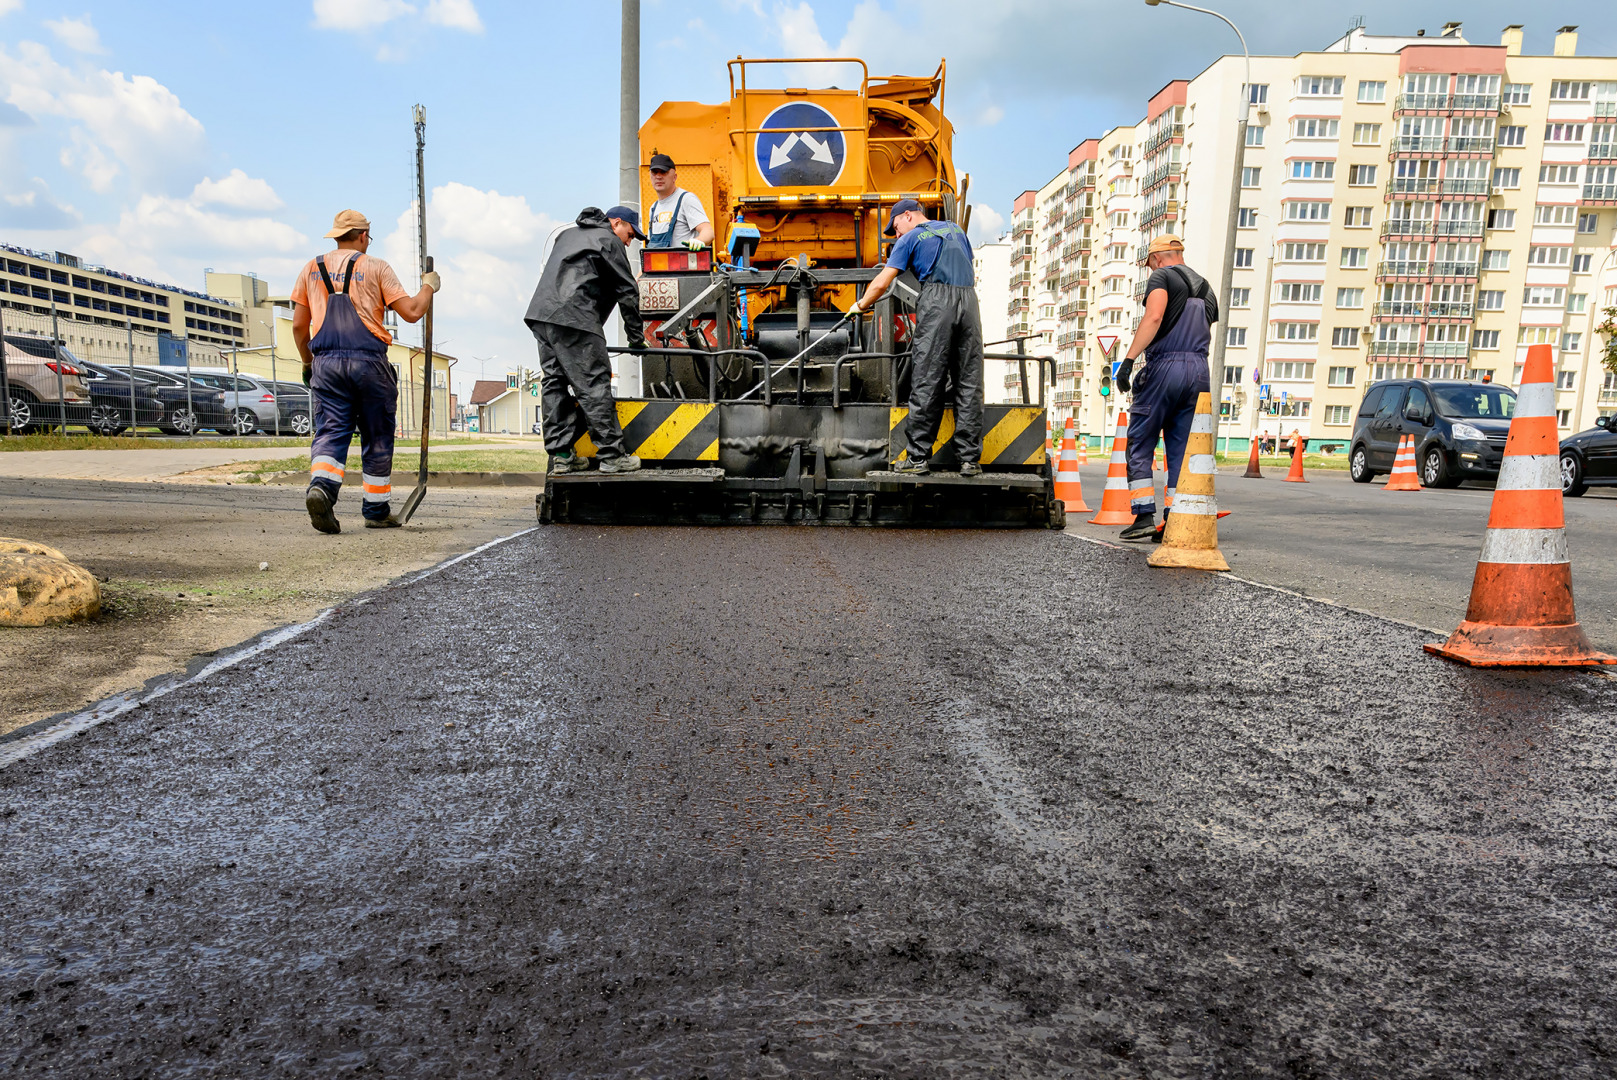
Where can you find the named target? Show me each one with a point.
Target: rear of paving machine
(759, 403)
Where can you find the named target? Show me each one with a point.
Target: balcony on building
(1020, 278)
(1471, 144)
(1398, 309)
(1480, 188)
(1459, 228)
(1438, 102)
(1018, 307)
(1071, 308)
(1166, 135)
(1408, 227)
(1454, 270)
(1067, 341)
(1403, 269)
(1446, 349)
(1452, 309)
(1414, 185)
(1395, 348)
(1417, 146)
(1600, 194)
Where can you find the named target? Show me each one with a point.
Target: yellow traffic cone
(1191, 537)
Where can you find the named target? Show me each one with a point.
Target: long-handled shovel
(415, 497)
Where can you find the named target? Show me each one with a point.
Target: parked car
(226, 421)
(182, 414)
(297, 408)
(110, 408)
(251, 404)
(45, 384)
(1589, 458)
(1459, 429)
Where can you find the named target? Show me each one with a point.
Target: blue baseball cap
(628, 217)
(902, 206)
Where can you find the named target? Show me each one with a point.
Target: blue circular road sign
(790, 153)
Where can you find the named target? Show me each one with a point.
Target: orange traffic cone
(1083, 449)
(1114, 500)
(1521, 612)
(1069, 488)
(1252, 470)
(1295, 476)
(1190, 539)
(1404, 476)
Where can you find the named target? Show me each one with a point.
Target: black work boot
(912, 467)
(970, 468)
(1144, 528)
(320, 502)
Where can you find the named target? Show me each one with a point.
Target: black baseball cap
(629, 217)
(661, 163)
(902, 206)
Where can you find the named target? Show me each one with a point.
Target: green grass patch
(132, 442)
(407, 462)
(1283, 461)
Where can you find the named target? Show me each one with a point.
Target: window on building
(1338, 415)
(1232, 374)
(1322, 86)
(1254, 134)
(1491, 300)
(1496, 259)
(1554, 215)
(1235, 336)
(1315, 127)
(1562, 90)
(1240, 298)
(1507, 179)
(1588, 223)
(1485, 339)
(1361, 175)
(1577, 303)
(1291, 370)
(1543, 296)
(1298, 292)
(1548, 255)
(1257, 93)
(1339, 376)
(1344, 337)
(1350, 298)
(1358, 217)
(1294, 331)
(1372, 92)
(1366, 134)
(1563, 418)
(1501, 219)
(1243, 258)
(1513, 135)
(1580, 262)
(1246, 218)
(1563, 133)
(1517, 94)
(1355, 258)
(1313, 170)
(1558, 174)
(1295, 252)
(1310, 210)
(1536, 335)
(1571, 342)
(1250, 176)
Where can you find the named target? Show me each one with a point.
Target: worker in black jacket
(587, 274)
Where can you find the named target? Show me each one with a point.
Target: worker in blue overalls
(677, 218)
(948, 334)
(338, 304)
(1180, 310)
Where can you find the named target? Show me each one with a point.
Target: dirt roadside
(181, 578)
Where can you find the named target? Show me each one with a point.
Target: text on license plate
(659, 294)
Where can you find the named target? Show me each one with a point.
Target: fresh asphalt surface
(794, 802)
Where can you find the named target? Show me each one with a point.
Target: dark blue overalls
(665, 239)
(354, 386)
(1164, 402)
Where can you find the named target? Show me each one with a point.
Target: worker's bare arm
(878, 288)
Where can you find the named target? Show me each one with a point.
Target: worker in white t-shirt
(677, 218)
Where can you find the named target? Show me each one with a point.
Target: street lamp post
(1222, 339)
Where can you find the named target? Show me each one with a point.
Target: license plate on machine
(659, 294)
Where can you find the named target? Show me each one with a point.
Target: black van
(1459, 429)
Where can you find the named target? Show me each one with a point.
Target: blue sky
(165, 138)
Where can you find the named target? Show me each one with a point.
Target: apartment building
(83, 293)
(1408, 206)
(991, 268)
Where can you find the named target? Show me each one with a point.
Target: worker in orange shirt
(338, 303)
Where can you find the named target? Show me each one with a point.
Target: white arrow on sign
(782, 151)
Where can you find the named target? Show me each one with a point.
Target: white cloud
(455, 14)
(85, 156)
(186, 226)
(134, 120)
(77, 34)
(36, 208)
(237, 191)
(800, 30)
(483, 219)
(358, 14)
(990, 116)
(986, 223)
(8, 6)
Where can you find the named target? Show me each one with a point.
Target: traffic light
(1105, 385)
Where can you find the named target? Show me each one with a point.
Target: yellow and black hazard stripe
(665, 431)
(1012, 434)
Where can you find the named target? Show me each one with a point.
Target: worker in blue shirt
(948, 334)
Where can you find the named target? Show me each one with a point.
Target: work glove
(1123, 372)
(432, 281)
(855, 310)
(693, 244)
(307, 371)
(638, 345)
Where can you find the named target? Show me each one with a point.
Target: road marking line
(28, 745)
